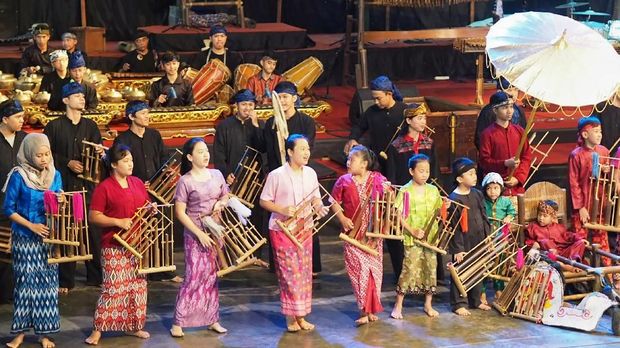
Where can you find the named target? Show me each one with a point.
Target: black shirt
(8, 160)
(231, 59)
(182, 88)
(231, 138)
(90, 94)
(53, 84)
(32, 56)
(610, 124)
(66, 142)
(299, 123)
(478, 224)
(148, 151)
(148, 63)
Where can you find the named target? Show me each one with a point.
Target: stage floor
(250, 310)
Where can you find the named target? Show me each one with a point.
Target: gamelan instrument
(243, 72)
(447, 222)
(385, 219)
(308, 219)
(224, 95)
(210, 79)
(483, 260)
(572, 4)
(304, 74)
(238, 243)
(280, 125)
(5, 244)
(248, 182)
(602, 199)
(150, 238)
(163, 184)
(357, 235)
(65, 213)
(91, 161)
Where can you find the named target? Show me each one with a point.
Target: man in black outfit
(171, 90)
(54, 81)
(77, 69)
(11, 137)
(36, 57)
(140, 60)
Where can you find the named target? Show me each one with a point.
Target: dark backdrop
(121, 17)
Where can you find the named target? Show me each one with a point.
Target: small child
(465, 238)
(547, 234)
(419, 274)
(500, 210)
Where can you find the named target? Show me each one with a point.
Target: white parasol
(554, 58)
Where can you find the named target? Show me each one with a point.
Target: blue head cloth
(462, 165)
(218, 29)
(383, 83)
(135, 106)
(500, 98)
(71, 88)
(502, 83)
(286, 87)
(10, 107)
(244, 95)
(585, 121)
(76, 60)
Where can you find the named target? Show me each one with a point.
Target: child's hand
(605, 168)
(584, 216)
(512, 163)
(508, 219)
(287, 211)
(459, 257)
(418, 233)
(536, 245)
(346, 223)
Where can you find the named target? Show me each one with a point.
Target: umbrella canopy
(554, 58)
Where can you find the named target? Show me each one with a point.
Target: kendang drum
(304, 74)
(224, 95)
(243, 72)
(210, 79)
(65, 214)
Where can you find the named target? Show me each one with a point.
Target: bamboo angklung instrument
(279, 123)
(446, 222)
(247, 184)
(602, 198)
(66, 218)
(538, 161)
(385, 217)
(5, 244)
(150, 238)
(91, 161)
(163, 184)
(482, 260)
(308, 219)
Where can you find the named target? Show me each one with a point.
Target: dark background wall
(121, 17)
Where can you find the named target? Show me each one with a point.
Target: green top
(421, 209)
(499, 209)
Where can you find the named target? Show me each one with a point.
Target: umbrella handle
(528, 128)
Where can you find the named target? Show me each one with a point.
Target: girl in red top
(122, 304)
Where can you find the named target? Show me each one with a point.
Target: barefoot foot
(293, 327)
(176, 331)
(218, 328)
(362, 320)
(17, 341)
(140, 334)
(484, 307)
(431, 312)
(93, 339)
(397, 313)
(46, 342)
(373, 317)
(462, 312)
(304, 324)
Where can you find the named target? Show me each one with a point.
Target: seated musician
(36, 57)
(486, 117)
(140, 60)
(171, 90)
(122, 304)
(266, 80)
(547, 234)
(70, 43)
(499, 145)
(77, 69)
(54, 81)
(218, 50)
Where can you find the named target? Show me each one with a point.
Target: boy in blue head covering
(66, 134)
(141, 59)
(77, 69)
(218, 37)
